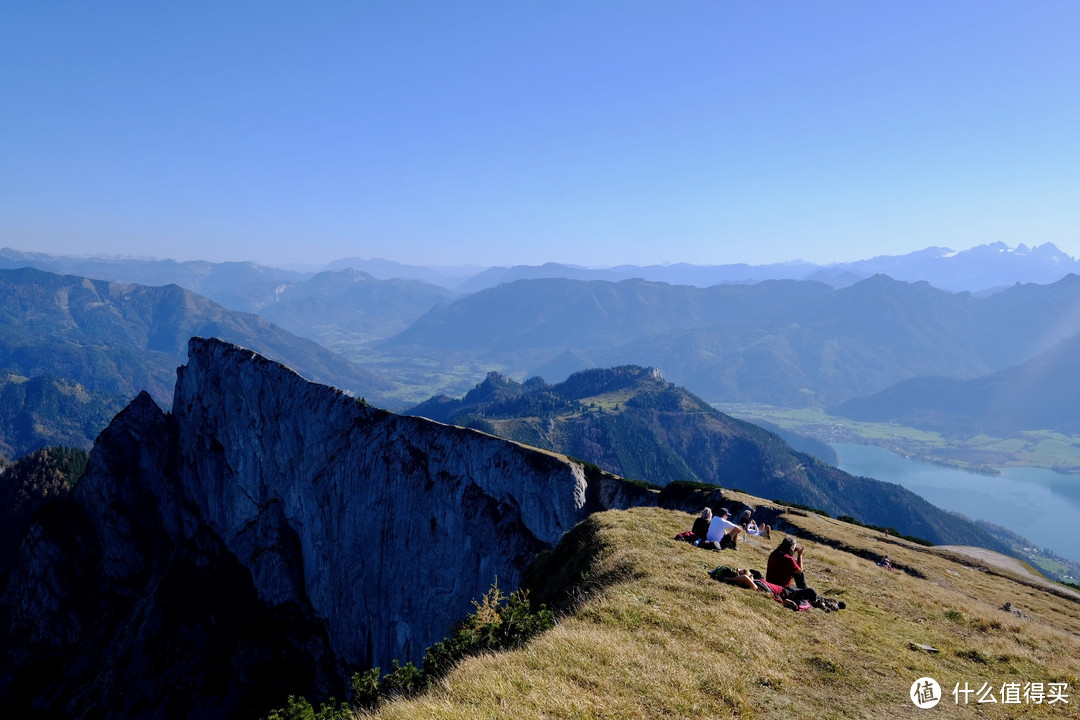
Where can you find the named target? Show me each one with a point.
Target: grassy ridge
(645, 633)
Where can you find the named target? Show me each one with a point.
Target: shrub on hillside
(499, 622)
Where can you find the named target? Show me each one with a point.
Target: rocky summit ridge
(268, 535)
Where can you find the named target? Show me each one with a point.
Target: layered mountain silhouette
(236, 285)
(269, 535)
(118, 339)
(776, 338)
(344, 308)
(1040, 394)
(977, 269)
(786, 343)
(631, 422)
(782, 342)
(247, 286)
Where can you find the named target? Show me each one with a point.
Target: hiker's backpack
(722, 572)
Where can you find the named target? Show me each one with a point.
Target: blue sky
(595, 133)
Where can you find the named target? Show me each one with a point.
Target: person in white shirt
(724, 531)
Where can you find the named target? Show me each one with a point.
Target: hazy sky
(587, 132)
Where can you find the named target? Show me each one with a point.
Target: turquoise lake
(1039, 504)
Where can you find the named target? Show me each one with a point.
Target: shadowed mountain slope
(631, 422)
(27, 484)
(549, 316)
(1040, 394)
(47, 410)
(119, 339)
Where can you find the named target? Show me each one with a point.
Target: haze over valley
(816, 361)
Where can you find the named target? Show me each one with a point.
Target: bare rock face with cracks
(267, 535)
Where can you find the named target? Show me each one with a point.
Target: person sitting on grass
(785, 567)
(701, 525)
(752, 528)
(722, 530)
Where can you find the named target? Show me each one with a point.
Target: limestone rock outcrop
(267, 536)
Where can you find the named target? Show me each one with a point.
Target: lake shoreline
(1037, 504)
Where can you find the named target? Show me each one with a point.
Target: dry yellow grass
(656, 637)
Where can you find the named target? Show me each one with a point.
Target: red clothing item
(774, 589)
(781, 568)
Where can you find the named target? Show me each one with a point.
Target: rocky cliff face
(268, 536)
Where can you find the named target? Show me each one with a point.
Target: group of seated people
(719, 532)
(784, 579)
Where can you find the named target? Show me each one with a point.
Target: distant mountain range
(631, 422)
(270, 535)
(449, 277)
(787, 343)
(791, 334)
(237, 285)
(346, 308)
(76, 349)
(341, 309)
(979, 269)
(244, 286)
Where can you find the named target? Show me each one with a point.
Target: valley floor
(974, 453)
